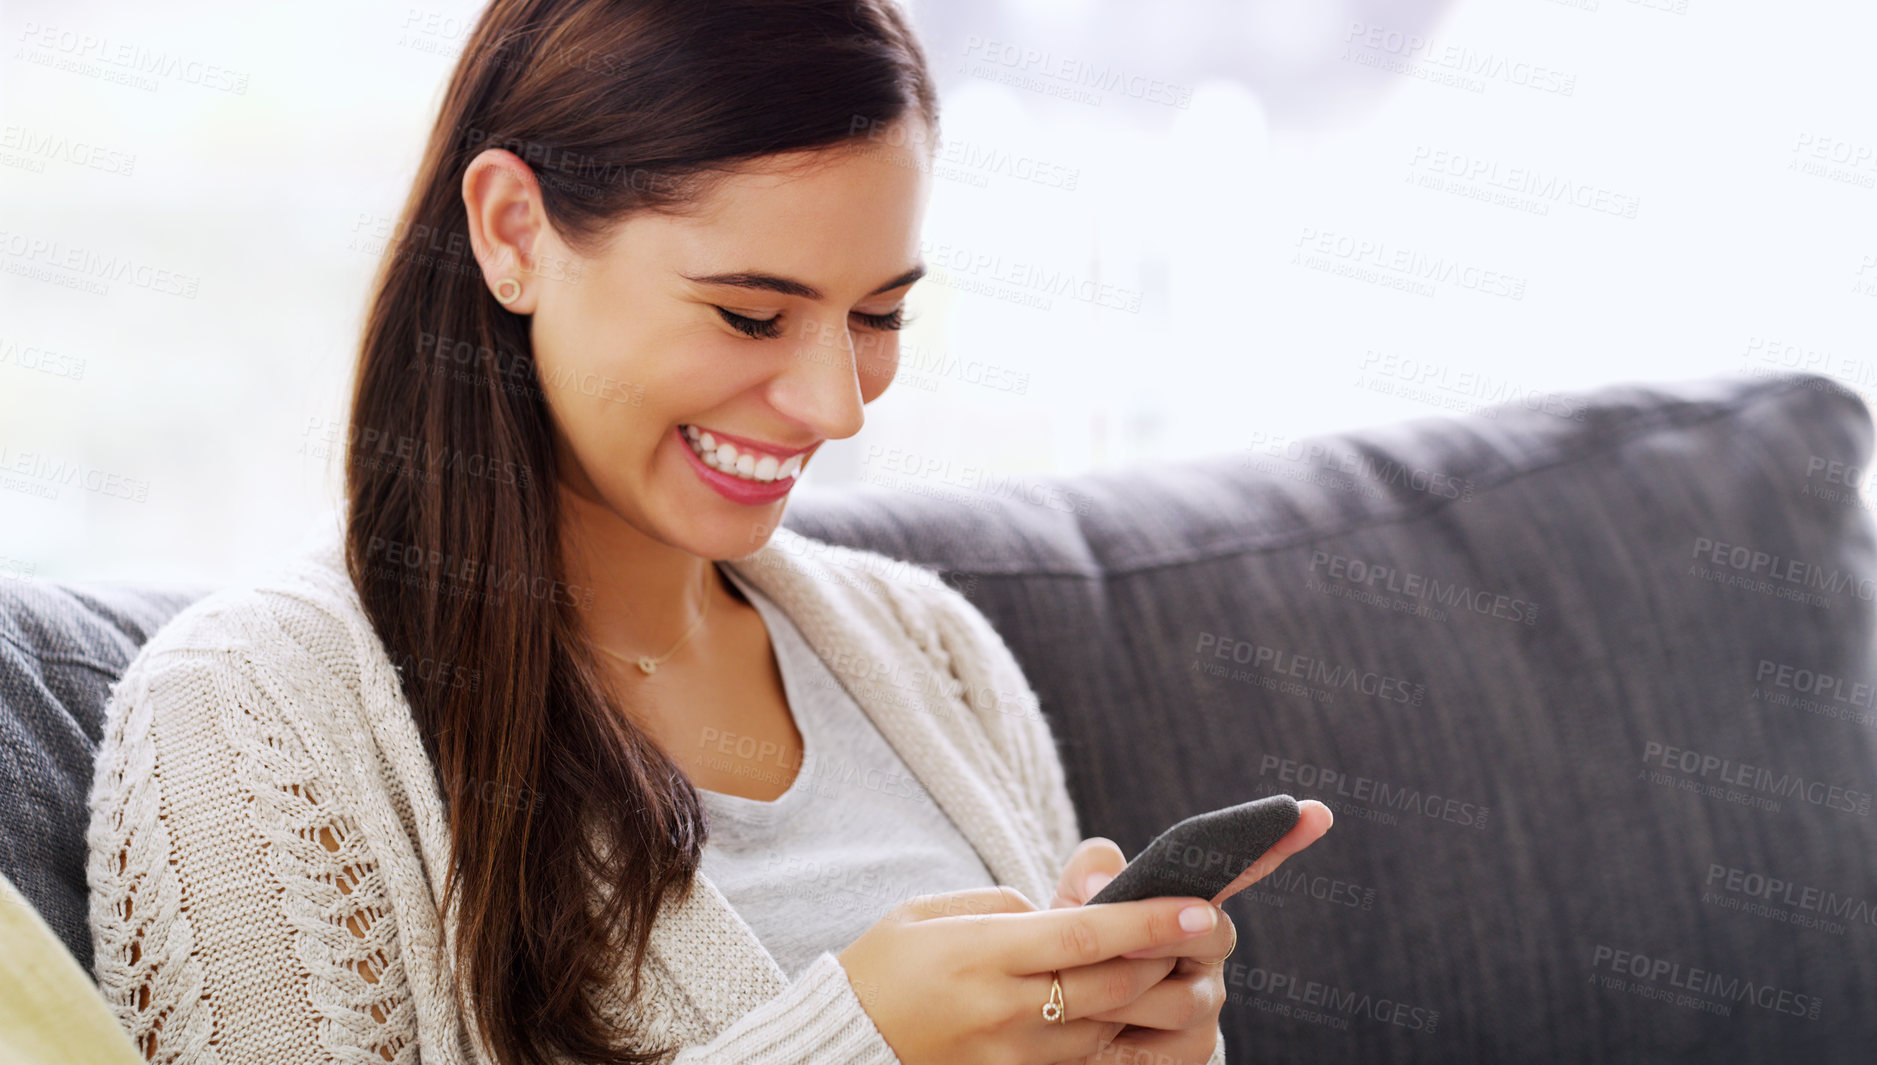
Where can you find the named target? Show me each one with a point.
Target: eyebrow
(789, 286)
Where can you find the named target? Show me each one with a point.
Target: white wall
(1298, 209)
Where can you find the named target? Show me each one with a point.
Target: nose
(819, 385)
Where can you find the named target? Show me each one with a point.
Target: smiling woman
(694, 227)
(759, 363)
(720, 252)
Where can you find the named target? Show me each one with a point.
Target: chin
(731, 536)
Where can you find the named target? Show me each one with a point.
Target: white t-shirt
(854, 835)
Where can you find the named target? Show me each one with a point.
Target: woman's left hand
(1177, 1020)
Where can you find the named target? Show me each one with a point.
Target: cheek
(580, 347)
(595, 388)
(613, 364)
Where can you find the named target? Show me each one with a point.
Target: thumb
(1094, 862)
(1001, 898)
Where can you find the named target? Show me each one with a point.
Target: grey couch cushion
(1205, 631)
(1492, 645)
(61, 647)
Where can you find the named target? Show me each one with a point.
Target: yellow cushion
(50, 1010)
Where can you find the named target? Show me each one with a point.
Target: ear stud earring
(507, 290)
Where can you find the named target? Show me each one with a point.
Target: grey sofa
(1588, 686)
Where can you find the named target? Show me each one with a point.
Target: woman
(441, 788)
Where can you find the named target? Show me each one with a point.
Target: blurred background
(1156, 232)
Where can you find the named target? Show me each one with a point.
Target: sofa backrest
(1586, 682)
(1588, 685)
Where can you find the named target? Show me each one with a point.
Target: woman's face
(646, 346)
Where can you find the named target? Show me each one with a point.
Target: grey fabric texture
(61, 648)
(1588, 687)
(1513, 874)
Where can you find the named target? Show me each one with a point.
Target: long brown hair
(569, 827)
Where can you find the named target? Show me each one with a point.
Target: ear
(507, 224)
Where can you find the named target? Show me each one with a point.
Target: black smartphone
(1205, 852)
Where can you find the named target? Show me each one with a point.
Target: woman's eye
(769, 328)
(896, 320)
(755, 327)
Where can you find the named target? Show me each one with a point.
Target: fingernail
(1094, 882)
(1198, 918)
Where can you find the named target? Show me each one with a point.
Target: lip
(755, 445)
(735, 489)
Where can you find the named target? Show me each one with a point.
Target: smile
(745, 463)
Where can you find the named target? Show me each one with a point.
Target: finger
(1176, 1002)
(1212, 946)
(1153, 1044)
(970, 902)
(1056, 939)
(1313, 820)
(1090, 990)
(1107, 985)
(1096, 854)
(1074, 1043)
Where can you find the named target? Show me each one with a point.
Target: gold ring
(1228, 950)
(1052, 1010)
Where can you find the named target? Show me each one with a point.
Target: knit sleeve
(237, 914)
(818, 1019)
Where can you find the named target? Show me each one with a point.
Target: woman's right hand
(963, 975)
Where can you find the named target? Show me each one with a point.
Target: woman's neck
(639, 597)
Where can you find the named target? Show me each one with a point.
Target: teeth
(724, 457)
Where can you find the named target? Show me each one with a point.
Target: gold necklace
(646, 663)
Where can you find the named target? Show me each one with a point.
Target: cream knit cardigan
(263, 721)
